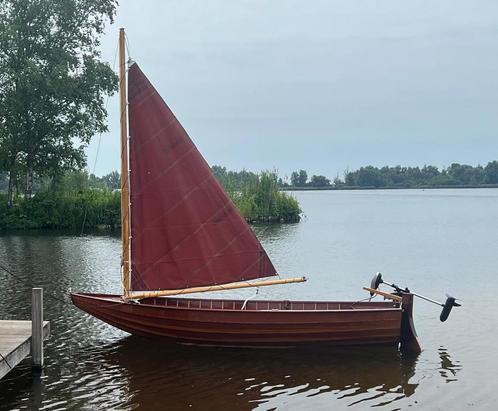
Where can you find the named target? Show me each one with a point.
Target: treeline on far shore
(370, 177)
(79, 201)
(456, 175)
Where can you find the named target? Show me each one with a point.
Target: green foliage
(4, 181)
(52, 83)
(338, 182)
(111, 181)
(67, 202)
(299, 178)
(64, 203)
(456, 175)
(74, 181)
(234, 180)
(56, 209)
(262, 201)
(491, 173)
(319, 181)
(257, 196)
(427, 176)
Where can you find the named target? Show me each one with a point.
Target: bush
(261, 201)
(75, 206)
(61, 210)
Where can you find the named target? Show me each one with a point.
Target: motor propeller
(447, 306)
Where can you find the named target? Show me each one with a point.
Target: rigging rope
(22, 281)
(98, 144)
(6, 362)
(364, 299)
(127, 44)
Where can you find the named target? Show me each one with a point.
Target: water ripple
(92, 366)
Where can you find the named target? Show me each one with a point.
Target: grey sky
(319, 85)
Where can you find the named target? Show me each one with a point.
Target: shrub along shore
(262, 201)
(89, 209)
(76, 205)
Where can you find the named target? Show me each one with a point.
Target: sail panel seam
(173, 207)
(166, 170)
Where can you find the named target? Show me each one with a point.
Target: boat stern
(410, 343)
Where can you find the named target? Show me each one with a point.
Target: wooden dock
(18, 339)
(15, 342)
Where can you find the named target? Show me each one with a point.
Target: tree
(491, 171)
(3, 181)
(350, 178)
(112, 180)
(370, 177)
(338, 182)
(74, 181)
(282, 182)
(319, 181)
(52, 84)
(299, 178)
(465, 174)
(95, 182)
(430, 171)
(220, 173)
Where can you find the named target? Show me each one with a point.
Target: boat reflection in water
(449, 368)
(213, 378)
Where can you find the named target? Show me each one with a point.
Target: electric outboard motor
(376, 281)
(447, 307)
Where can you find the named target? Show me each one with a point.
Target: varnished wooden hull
(259, 324)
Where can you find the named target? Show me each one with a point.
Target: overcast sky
(320, 85)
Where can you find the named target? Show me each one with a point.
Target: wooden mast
(125, 195)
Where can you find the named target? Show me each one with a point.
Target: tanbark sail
(185, 230)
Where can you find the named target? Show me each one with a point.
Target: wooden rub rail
(231, 286)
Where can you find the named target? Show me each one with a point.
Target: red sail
(185, 230)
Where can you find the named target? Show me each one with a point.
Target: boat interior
(267, 305)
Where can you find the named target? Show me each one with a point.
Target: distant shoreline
(351, 188)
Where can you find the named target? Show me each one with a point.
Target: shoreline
(351, 188)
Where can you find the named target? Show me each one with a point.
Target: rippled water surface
(434, 241)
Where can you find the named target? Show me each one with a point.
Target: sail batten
(185, 230)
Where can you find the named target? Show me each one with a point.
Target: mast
(125, 194)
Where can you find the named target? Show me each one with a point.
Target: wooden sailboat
(182, 234)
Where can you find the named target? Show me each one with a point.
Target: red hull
(259, 324)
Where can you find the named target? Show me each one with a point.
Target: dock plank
(15, 342)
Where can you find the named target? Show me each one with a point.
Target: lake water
(434, 241)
